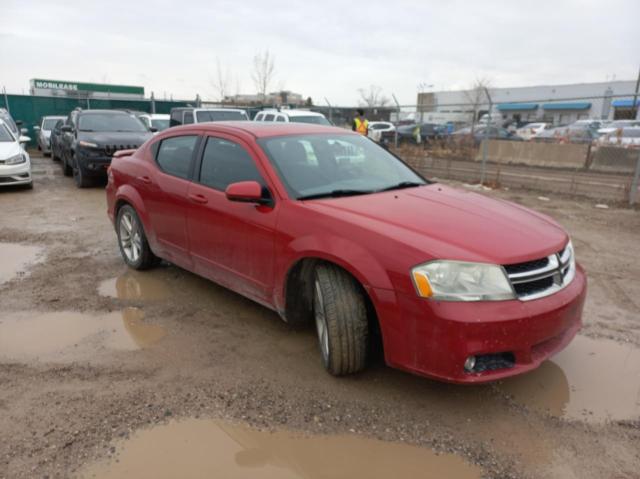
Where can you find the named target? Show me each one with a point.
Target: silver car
(43, 133)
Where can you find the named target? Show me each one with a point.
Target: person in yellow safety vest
(360, 123)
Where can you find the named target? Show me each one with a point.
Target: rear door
(231, 243)
(164, 191)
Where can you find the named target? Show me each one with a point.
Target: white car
(43, 132)
(377, 128)
(15, 164)
(622, 137)
(531, 130)
(159, 121)
(614, 125)
(292, 116)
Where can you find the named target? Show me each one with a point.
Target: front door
(232, 243)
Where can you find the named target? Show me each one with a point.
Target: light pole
(421, 89)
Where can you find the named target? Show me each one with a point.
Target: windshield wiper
(401, 185)
(335, 194)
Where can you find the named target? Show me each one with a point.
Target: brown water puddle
(16, 258)
(591, 380)
(134, 285)
(63, 335)
(197, 448)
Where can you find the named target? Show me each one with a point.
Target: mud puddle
(133, 285)
(197, 448)
(592, 380)
(61, 336)
(15, 259)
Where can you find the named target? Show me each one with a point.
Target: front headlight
(461, 281)
(16, 160)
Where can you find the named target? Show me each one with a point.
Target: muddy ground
(94, 357)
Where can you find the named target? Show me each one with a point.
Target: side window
(188, 117)
(174, 155)
(280, 118)
(176, 118)
(269, 117)
(225, 162)
(259, 117)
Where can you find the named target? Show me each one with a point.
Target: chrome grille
(542, 277)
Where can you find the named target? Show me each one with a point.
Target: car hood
(115, 138)
(438, 221)
(9, 149)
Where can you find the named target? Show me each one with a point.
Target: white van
(292, 116)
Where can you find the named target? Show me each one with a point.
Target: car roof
(103, 112)
(263, 129)
(219, 109)
(293, 112)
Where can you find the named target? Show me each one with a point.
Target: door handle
(145, 179)
(197, 198)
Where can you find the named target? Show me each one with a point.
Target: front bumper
(93, 164)
(434, 338)
(15, 174)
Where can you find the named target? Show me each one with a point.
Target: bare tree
(263, 72)
(222, 81)
(476, 96)
(372, 97)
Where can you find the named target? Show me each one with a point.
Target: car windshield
(110, 122)
(5, 134)
(313, 119)
(220, 115)
(160, 124)
(329, 165)
(49, 123)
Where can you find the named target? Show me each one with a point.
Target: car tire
(66, 169)
(132, 240)
(341, 321)
(79, 177)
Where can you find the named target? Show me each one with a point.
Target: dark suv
(91, 137)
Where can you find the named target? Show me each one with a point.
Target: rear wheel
(66, 169)
(341, 320)
(132, 240)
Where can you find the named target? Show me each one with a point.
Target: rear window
(175, 155)
(317, 120)
(49, 124)
(220, 115)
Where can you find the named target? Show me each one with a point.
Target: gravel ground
(201, 351)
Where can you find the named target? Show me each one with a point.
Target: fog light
(470, 363)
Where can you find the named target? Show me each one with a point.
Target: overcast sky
(322, 49)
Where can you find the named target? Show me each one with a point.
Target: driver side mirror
(23, 140)
(246, 192)
(153, 129)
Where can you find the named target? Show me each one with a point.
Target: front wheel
(80, 178)
(341, 321)
(132, 240)
(66, 169)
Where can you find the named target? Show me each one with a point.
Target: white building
(557, 104)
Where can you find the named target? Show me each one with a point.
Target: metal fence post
(633, 192)
(6, 99)
(153, 103)
(485, 143)
(397, 119)
(330, 110)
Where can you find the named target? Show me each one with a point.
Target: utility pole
(6, 99)
(485, 143)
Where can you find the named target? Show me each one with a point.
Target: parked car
(15, 164)
(428, 132)
(188, 115)
(55, 140)
(617, 124)
(325, 226)
(292, 116)
(531, 130)
(622, 137)
(581, 134)
(381, 129)
(91, 137)
(43, 133)
(465, 135)
(10, 123)
(155, 122)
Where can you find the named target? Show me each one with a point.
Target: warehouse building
(556, 104)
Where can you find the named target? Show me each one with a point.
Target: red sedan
(324, 226)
